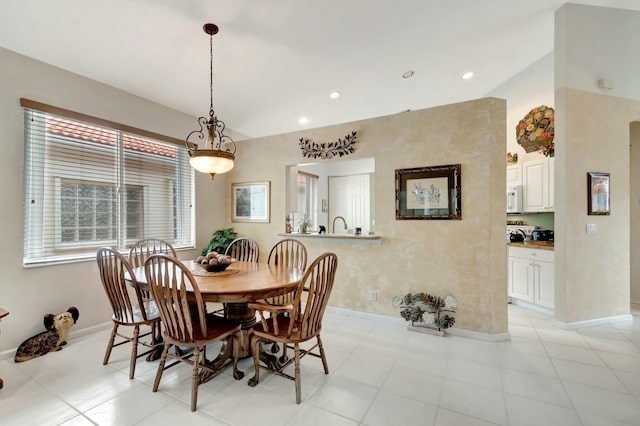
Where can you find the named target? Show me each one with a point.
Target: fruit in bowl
(214, 261)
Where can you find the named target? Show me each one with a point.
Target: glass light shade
(212, 161)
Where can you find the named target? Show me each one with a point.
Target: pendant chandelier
(218, 153)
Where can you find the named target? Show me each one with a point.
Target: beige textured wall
(635, 210)
(592, 270)
(466, 258)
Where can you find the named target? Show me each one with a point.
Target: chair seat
(153, 314)
(283, 328)
(218, 328)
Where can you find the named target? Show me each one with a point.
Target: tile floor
(381, 374)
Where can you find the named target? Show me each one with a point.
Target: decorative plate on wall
(535, 131)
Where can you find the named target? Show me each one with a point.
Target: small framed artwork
(598, 193)
(429, 193)
(250, 201)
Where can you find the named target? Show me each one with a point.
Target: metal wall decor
(326, 151)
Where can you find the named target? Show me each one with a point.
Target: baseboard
(498, 337)
(366, 315)
(532, 306)
(488, 337)
(593, 322)
(635, 301)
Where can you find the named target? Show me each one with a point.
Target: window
(90, 185)
(307, 199)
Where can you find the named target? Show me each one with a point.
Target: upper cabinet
(514, 174)
(538, 181)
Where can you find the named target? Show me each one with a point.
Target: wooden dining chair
(303, 322)
(142, 249)
(186, 324)
(130, 308)
(292, 253)
(244, 250)
(138, 253)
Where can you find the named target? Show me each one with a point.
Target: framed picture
(250, 201)
(429, 193)
(598, 193)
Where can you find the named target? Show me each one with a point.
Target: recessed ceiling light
(467, 75)
(334, 95)
(408, 74)
(303, 120)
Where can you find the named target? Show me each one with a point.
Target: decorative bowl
(220, 262)
(216, 268)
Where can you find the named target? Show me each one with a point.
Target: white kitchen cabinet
(514, 174)
(531, 276)
(537, 180)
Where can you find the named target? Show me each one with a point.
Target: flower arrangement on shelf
(425, 310)
(535, 132)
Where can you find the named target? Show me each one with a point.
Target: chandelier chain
(211, 73)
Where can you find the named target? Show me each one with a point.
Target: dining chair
(130, 307)
(142, 249)
(244, 250)
(303, 322)
(138, 253)
(186, 323)
(292, 253)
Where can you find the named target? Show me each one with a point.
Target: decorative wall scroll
(429, 193)
(328, 150)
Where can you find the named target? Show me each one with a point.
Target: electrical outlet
(592, 228)
(373, 296)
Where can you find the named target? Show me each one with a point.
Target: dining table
(235, 287)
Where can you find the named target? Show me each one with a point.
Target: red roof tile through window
(103, 136)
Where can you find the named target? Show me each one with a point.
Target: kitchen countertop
(541, 245)
(317, 236)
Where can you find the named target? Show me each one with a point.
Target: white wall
(532, 87)
(29, 294)
(593, 126)
(635, 211)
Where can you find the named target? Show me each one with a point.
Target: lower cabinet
(531, 275)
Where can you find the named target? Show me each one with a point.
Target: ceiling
(278, 60)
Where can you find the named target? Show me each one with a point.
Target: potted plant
(220, 240)
(304, 227)
(426, 313)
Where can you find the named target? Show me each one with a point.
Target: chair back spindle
(288, 252)
(318, 281)
(142, 249)
(244, 250)
(170, 281)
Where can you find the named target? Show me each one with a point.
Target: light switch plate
(592, 228)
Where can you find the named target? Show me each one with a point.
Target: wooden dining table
(237, 286)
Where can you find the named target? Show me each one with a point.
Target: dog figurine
(51, 340)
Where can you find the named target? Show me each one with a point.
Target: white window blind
(87, 186)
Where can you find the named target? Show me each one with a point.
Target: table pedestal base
(247, 318)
